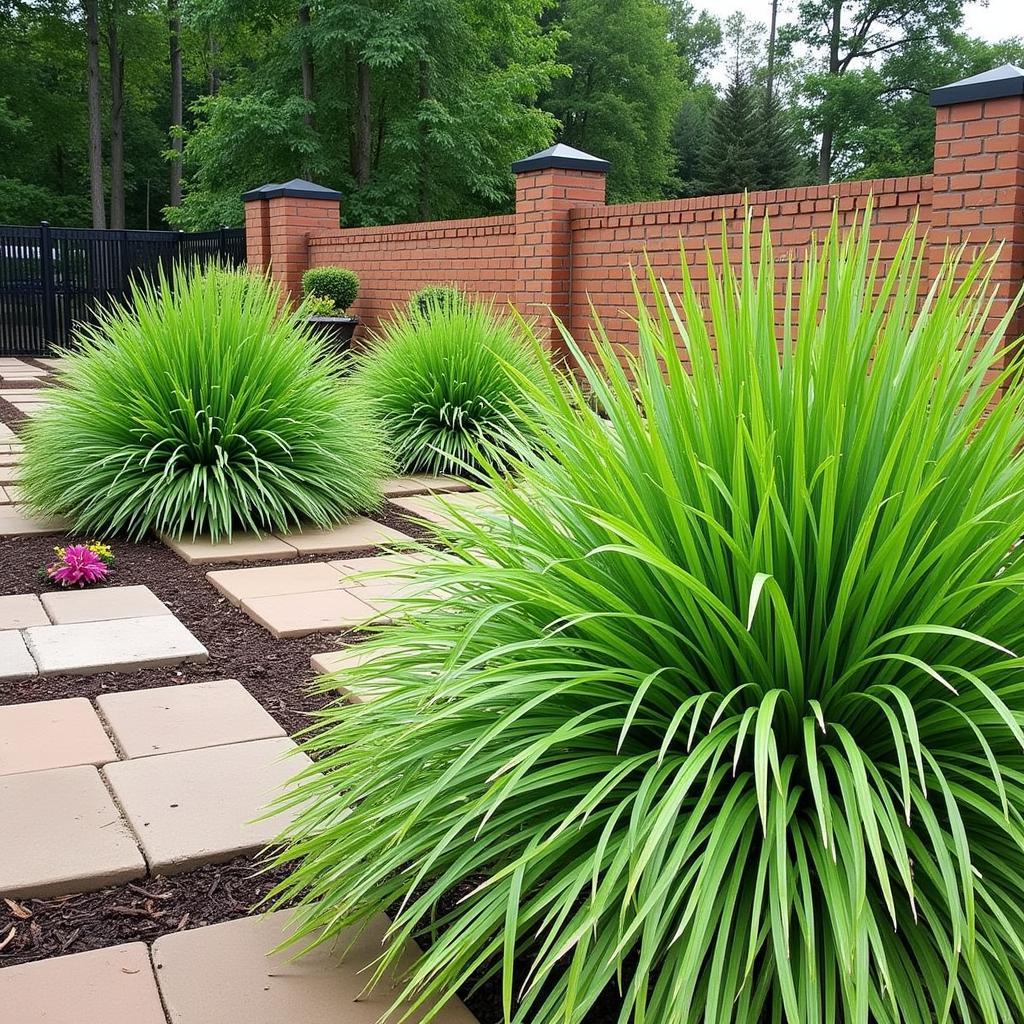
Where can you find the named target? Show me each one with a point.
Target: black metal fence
(54, 278)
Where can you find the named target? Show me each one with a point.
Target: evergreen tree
(729, 157)
(777, 157)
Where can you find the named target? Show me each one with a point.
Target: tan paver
(320, 611)
(113, 645)
(187, 717)
(20, 610)
(357, 535)
(15, 660)
(51, 734)
(9, 474)
(16, 522)
(242, 547)
(61, 834)
(53, 364)
(350, 658)
(6, 434)
(423, 483)
(239, 585)
(200, 806)
(206, 974)
(436, 508)
(103, 603)
(103, 986)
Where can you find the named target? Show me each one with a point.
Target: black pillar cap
(296, 188)
(560, 155)
(1007, 80)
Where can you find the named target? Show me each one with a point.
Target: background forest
(148, 113)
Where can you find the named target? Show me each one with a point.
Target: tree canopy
(163, 112)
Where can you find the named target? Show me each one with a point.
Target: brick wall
(564, 249)
(394, 261)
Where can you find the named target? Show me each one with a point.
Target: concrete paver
(186, 717)
(437, 508)
(51, 734)
(423, 483)
(15, 660)
(20, 610)
(114, 645)
(200, 807)
(102, 986)
(238, 585)
(292, 615)
(61, 834)
(206, 974)
(242, 547)
(103, 603)
(16, 522)
(357, 535)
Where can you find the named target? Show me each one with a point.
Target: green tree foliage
(412, 109)
(729, 158)
(624, 94)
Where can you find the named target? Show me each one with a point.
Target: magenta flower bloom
(79, 567)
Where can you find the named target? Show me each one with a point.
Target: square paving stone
(437, 508)
(15, 522)
(423, 483)
(20, 610)
(9, 474)
(103, 986)
(51, 734)
(357, 535)
(103, 603)
(322, 611)
(349, 658)
(61, 834)
(207, 974)
(15, 660)
(113, 645)
(201, 806)
(186, 717)
(243, 547)
(239, 585)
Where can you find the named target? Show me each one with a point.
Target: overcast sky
(995, 20)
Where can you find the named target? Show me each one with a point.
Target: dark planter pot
(337, 331)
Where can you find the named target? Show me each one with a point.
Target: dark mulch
(137, 912)
(274, 671)
(9, 414)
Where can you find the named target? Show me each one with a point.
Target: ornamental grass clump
(726, 716)
(448, 382)
(200, 408)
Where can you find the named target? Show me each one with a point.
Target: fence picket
(52, 279)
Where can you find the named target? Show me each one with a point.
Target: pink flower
(79, 567)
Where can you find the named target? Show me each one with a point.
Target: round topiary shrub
(435, 296)
(448, 386)
(337, 284)
(723, 725)
(200, 408)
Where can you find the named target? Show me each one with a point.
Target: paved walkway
(158, 781)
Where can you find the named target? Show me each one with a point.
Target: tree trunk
(115, 56)
(771, 50)
(92, 35)
(306, 57)
(827, 136)
(363, 144)
(177, 113)
(424, 77)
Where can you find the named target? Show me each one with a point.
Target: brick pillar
(979, 175)
(278, 221)
(549, 185)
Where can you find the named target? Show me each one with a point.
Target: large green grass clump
(200, 408)
(728, 713)
(447, 379)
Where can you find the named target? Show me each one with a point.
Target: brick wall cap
(565, 157)
(297, 188)
(1007, 80)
